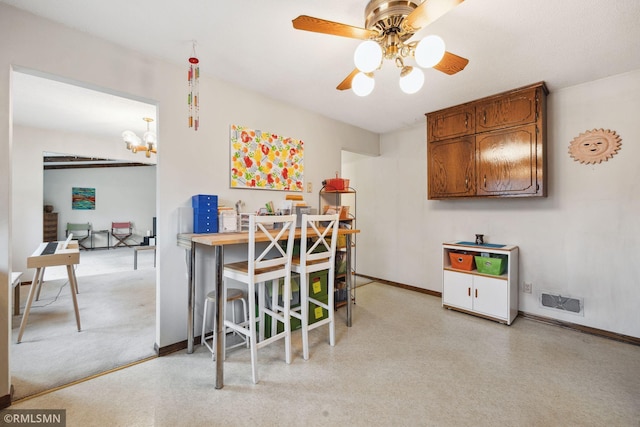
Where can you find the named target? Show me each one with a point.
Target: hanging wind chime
(193, 99)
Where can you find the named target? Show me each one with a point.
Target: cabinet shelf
(475, 272)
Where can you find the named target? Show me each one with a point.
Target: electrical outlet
(527, 287)
(309, 187)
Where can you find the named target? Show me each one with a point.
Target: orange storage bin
(461, 261)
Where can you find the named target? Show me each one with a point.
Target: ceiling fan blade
(346, 83)
(429, 11)
(451, 63)
(309, 23)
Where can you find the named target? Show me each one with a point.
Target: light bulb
(149, 137)
(131, 138)
(368, 56)
(429, 51)
(411, 80)
(362, 85)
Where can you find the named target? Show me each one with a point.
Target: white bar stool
(233, 295)
(267, 261)
(317, 253)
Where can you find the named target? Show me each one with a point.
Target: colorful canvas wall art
(83, 198)
(265, 160)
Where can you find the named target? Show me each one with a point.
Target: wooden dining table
(190, 242)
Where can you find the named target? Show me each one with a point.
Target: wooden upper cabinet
(514, 109)
(506, 162)
(491, 147)
(451, 123)
(451, 168)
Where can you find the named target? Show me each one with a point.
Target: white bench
(15, 284)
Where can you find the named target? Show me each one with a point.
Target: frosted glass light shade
(362, 85)
(412, 81)
(429, 51)
(149, 137)
(131, 138)
(368, 56)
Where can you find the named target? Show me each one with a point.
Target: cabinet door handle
(485, 181)
(476, 293)
(466, 183)
(469, 291)
(466, 120)
(484, 117)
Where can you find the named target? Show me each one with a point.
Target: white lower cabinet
(491, 296)
(481, 294)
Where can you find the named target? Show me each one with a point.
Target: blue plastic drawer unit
(205, 213)
(204, 201)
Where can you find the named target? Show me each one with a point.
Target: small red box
(336, 184)
(461, 261)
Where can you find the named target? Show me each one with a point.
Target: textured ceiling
(251, 43)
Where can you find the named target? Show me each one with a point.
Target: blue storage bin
(204, 201)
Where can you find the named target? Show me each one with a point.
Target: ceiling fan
(389, 26)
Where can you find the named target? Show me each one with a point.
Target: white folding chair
(273, 264)
(317, 253)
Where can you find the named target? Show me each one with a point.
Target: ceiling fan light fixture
(429, 51)
(362, 84)
(411, 79)
(368, 56)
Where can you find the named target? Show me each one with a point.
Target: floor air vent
(564, 303)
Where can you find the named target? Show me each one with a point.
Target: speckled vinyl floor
(405, 362)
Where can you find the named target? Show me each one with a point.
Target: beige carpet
(117, 314)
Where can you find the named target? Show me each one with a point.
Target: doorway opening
(117, 304)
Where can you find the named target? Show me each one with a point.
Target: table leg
(135, 258)
(25, 316)
(348, 278)
(39, 287)
(219, 316)
(16, 300)
(191, 268)
(73, 285)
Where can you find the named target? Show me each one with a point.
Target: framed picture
(83, 198)
(265, 160)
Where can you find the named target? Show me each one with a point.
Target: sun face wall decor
(594, 146)
(265, 160)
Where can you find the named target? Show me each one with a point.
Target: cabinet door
(510, 110)
(456, 289)
(450, 168)
(506, 162)
(490, 296)
(450, 123)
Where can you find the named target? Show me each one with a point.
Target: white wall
(188, 162)
(582, 240)
(125, 194)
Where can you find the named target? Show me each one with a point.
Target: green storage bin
(318, 284)
(317, 313)
(491, 265)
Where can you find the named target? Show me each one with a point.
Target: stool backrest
(318, 240)
(271, 229)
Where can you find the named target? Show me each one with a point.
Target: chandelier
(146, 144)
(392, 44)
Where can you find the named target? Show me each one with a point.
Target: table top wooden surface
(222, 239)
